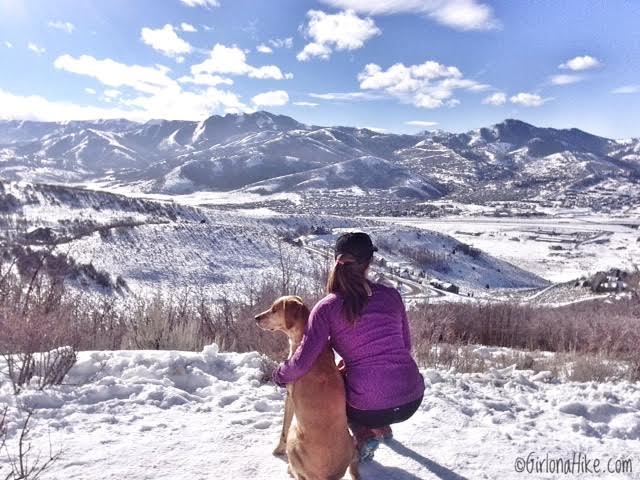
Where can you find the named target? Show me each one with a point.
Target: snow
(196, 198)
(197, 415)
(589, 243)
(176, 183)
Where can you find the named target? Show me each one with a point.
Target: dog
(315, 435)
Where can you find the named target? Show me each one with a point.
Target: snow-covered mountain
(265, 153)
(362, 172)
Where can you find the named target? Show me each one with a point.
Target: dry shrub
(426, 258)
(42, 324)
(24, 463)
(194, 320)
(584, 368)
(39, 332)
(602, 330)
(3, 426)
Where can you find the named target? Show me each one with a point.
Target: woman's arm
(314, 341)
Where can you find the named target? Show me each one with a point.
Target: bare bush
(598, 368)
(194, 321)
(3, 427)
(604, 330)
(39, 332)
(426, 258)
(473, 252)
(24, 464)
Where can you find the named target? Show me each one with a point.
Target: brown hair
(347, 278)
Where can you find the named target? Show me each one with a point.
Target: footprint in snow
(263, 406)
(262, 424)
(227, 400)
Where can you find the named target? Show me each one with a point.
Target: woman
(366, 324)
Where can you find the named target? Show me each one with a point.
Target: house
(445, 286)
(611, 281)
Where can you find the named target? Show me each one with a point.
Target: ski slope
(206, 415)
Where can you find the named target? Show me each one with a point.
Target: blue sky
(394, 65)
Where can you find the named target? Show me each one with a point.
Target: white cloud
(35, 107)
(479, 87)
(262, 48)
(233, 61)
(627, 89)
(206, 79)
(305, 104)
(64, 26)
(201, 3)
(377, 129)
(90, 91)
(565, 79)
(421, 123)
(165, 40)
(274, 98)
(458, 14)
(342, 31)
(528, 99)
(182, 105)
(497, 99)
(268, 71)
(314, 50)
(35, 48)
(281, 42)
(427, 85)
(115, 74)
(346, 96)
(8, 44)
(155, 94)
(581, 63)
(187, 27)
(112, 93)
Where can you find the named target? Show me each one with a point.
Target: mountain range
(263, 153)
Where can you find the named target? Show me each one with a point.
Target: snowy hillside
(365, 173)
(560, 249)
(511, 161)
(182, 415)
(163, 246)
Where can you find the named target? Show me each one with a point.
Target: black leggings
(382, 418)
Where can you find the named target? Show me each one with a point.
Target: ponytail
(347, 278)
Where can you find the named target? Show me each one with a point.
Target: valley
(497, 213)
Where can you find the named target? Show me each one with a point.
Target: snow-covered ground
(559, 248)
(182, 415)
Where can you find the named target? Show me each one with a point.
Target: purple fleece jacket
(380, 372)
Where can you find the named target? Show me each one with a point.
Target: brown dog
(317, 441)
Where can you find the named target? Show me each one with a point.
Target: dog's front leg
(286, 423)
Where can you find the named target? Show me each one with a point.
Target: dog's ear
(293, 307)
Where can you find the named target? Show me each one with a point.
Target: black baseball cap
(357, 244)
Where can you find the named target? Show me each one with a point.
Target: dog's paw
(280, 450)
